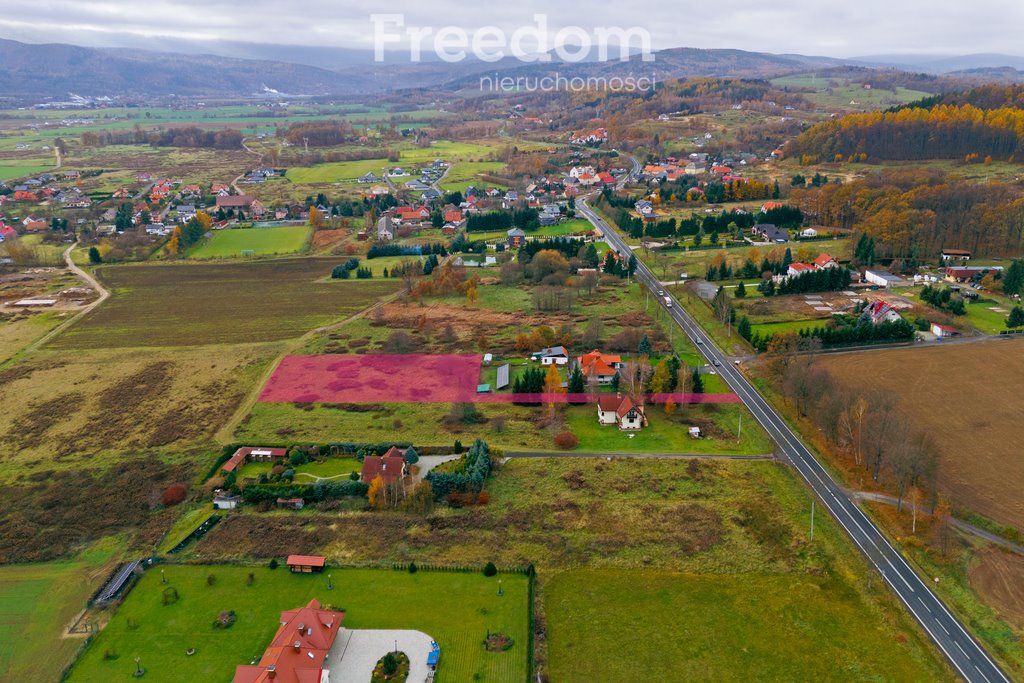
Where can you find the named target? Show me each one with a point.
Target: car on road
(701, 342)
(661, 292)
(668, 302)
(717, 364)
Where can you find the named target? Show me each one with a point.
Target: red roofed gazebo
(306, 564)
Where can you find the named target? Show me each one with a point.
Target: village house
(879, 311)
(223, 500)
(808, 232)
(797, 269)
(645, 209)
(770, 233)
(825, 261)
(963, 274)
(554, 355)
(956, 255)
(253, 454)
(385, 229)
(599, 368)
(299, 649)
(943, 331)
(515, 238)
(390, 467)
(622, 411)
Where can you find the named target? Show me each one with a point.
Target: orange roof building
(599, 367)
(299, 649)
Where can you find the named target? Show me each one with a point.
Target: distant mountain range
(41, 72)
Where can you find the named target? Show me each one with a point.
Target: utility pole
(739, 431)
(812, 521)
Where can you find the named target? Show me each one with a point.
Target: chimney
(271, 671)
(298, 645)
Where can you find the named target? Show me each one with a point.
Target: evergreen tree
(576, 381)
(744, 328)
(696, 382)
(741, 290)
(94, 255)
(1013, 280)
(1016, 318)
(644, 349)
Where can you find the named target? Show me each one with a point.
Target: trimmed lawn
(668, 434)
(260, 241)
(331, 467)
(791, 326)
(721, 628)
(455, 609)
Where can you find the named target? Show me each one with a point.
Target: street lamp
(138, 668)
(163, 579)
(500, 592)
(330, 586)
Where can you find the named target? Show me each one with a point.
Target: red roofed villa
(299, 650)
(598, 367)
(390, 467)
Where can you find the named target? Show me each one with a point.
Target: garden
(161, 623)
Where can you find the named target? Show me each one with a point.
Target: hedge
(321, 490)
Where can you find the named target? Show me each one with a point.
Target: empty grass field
(457, 610)
(37, 602)
(976, 426)
(191, 304)
(257, 241)
(722, 628)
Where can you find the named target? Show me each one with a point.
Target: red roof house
(599, 367)
(253, 454)
(299, 650)
(825, 261)
(390, 467)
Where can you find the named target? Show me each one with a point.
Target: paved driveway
(355, 652)
(429, 462)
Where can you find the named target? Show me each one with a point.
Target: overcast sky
(815, 27)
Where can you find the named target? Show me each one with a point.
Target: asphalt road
(959, 647)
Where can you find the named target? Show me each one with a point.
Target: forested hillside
(913, 214)
(941, 132)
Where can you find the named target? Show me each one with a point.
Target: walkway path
(963, 526)
(89, 280)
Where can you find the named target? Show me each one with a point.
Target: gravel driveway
(355, 652)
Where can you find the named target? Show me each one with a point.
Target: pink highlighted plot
(400, 378)
(411, 378)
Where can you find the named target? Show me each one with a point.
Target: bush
(273, 563)
(567, 441)
(173, 494)
(490, 569)
(412, 567)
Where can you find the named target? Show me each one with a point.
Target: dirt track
(968, 397)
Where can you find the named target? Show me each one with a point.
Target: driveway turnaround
(355, 652)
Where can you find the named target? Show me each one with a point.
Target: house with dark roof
(553, 355)
(516, 238)
(770, 233)
(622, 411)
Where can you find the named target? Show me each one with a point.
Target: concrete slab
(429, 462)
(355, 652)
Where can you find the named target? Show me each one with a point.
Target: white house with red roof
(797, 269)
(599, 368)
(825, 261)
(879, 311)
(622, 411)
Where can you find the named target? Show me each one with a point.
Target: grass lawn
(331, 467)
(185, 525)
(17, 333)
(12, 170)
(720, 628)
(259, 241)
(668, 434)
(37, 601)
(791, 326)
(457, 610)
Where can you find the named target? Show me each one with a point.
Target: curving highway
(965, 654)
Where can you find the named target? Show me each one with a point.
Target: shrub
(567, 441)
(490, 569)
(273, 563)
(211, 579)
(173, 494)
(277, 470)
(225, 619)
(412, 567)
